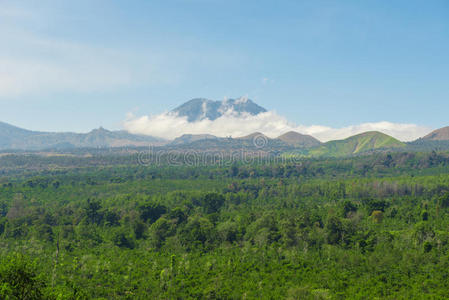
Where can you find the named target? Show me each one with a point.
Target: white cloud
(43, 65)
(169, 125)
(403, 132)
(18, 77)
(35, 63)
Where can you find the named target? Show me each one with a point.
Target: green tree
(212, 202)
(92, 209)
(152, 211)
(19, 279)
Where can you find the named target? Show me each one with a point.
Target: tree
(112, 218)
(19, 279)
(198, 230)
(139, 229)
(425, 215)
(212, 202)
(151, 211)
(373, 205)
(92, 208)
(334, 229)
(123, 240)
(377, 216)
(228, 231)
(160, 230)
(348, 207)
(18, 208)
(444, 200)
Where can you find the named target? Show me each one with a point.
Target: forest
(107, 227)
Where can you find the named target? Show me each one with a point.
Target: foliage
(358, 228)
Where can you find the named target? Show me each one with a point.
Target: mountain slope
(441, 134)
(190, 138)
(15, 138)
(253, 136)
(9, 132)
(365, 142)
(252, 142)
(296, 139)
(200, 109)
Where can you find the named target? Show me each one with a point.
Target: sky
(339, 65)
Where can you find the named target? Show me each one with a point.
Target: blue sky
(78, 65)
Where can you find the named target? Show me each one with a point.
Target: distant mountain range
(255, 140)
(12, 137)
(15, 138)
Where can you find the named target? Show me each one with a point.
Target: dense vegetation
(363, 227)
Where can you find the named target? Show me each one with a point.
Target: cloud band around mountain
(169, 126)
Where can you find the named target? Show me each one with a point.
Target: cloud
(46, 49)
(169, 125)
(19, 76)
(35, 63)
(57, 66)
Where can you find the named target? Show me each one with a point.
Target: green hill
(296, 139)
(364, 142)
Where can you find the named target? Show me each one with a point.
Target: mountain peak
(100, 130)
(201, 109)
(297, 139)
(441, 134)
(253, 136)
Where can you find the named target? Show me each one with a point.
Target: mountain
(205, 142)
(253, 136)
(441, 134)
(296, 139)
(200, 109)
(255, 140)
(8, 133)
(190, 138)
(15, 138)
(365, 142)
(437, 140)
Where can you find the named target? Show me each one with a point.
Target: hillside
(357, 144)
(253, 136)
(441, 134)
(9, 133)
(205, 142)
(190, 138)
(296, 139)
